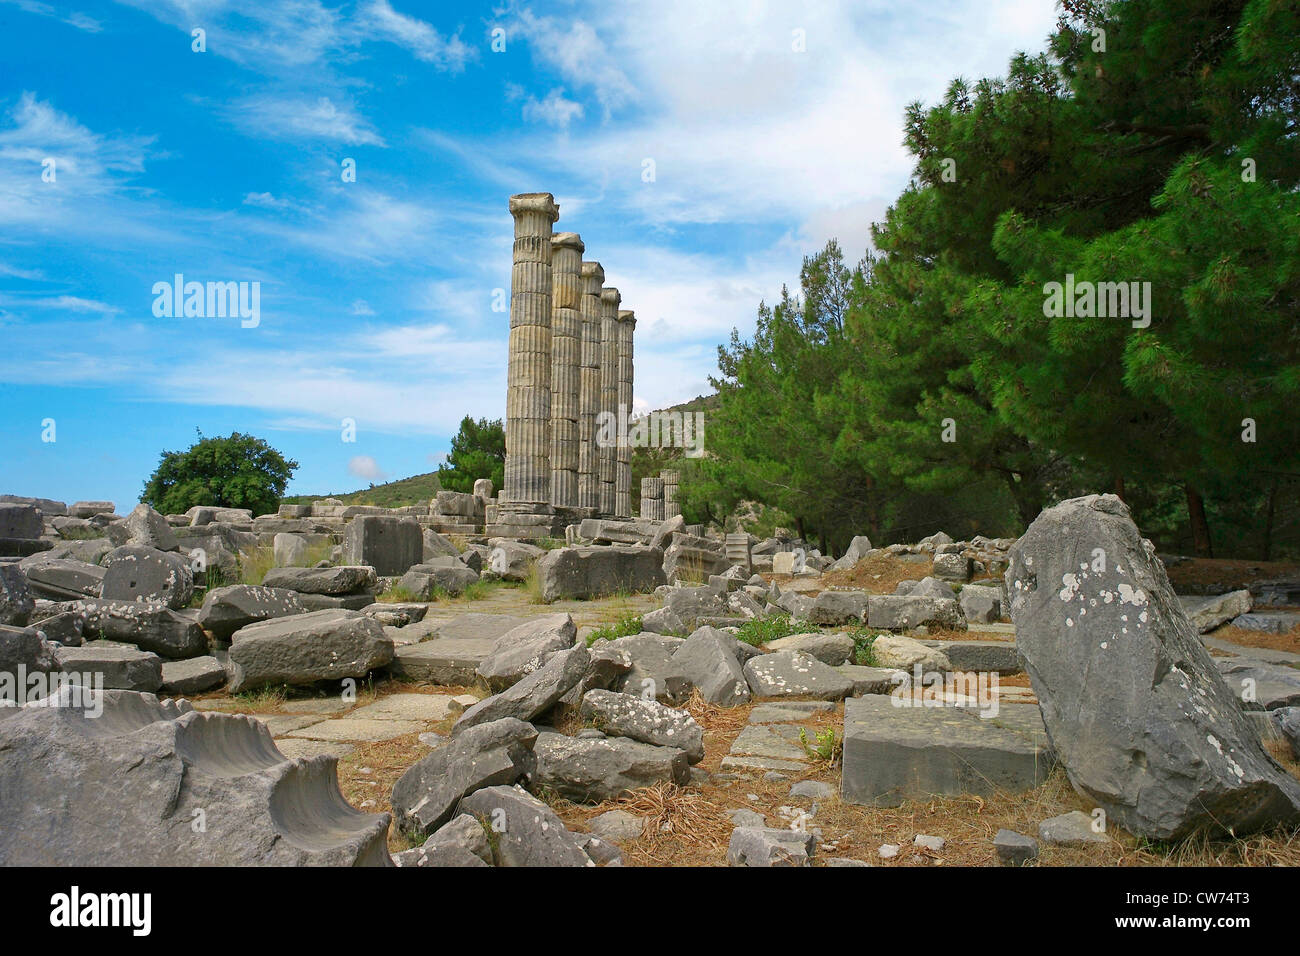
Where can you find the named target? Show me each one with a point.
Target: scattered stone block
(1014, 849)
(837, 608)
(896, 753)
(766, 848)
(589, 770)
(306, 648)
(193, 676)
(528, 831)
(795, 674)
(833, 648)
(638, 718)
(1070, 829)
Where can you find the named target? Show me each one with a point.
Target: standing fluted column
(623, 459)
(566, 360)
(652, 499)
(609, 300)
(593, 278)
(671, 479)
(528, 363)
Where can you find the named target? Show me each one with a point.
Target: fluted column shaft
(671, 479)
(609, 300)
(566, 362)
(528, 363)
(623, 457)
(589, 384)
(652, 498)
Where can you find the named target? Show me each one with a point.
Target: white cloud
(366, 468)
(79, 20)
(380, 20)
(290, 118)
(554, 110)
(572, 47)
(362, 307)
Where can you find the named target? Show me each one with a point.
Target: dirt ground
(1217, 576)
(690, 827)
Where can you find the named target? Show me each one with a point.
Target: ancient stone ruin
(533, 655)
(569, 370)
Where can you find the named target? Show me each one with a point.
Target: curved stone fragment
(156, 783)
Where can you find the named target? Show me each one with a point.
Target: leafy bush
(761, 630)
(625, 626)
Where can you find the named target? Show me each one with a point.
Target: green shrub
(863, 638)
(625, 626)
(761, 630)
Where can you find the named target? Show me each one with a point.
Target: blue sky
(376, 295)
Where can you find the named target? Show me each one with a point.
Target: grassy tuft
(761, 630)
(625, 626)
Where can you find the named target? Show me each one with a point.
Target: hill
(419, 489)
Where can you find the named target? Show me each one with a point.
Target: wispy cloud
(79, 20)
(378, 20)
(295, 118)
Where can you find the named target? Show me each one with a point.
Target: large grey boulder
(524, 649)
(148, 529)
(527, 832)
(795, 674)
(593, 769)
(155, 783)
(347, 579)
(1137, 710)
(137, 573)
(592, 572)
(712, 661)
(533, 695)
(16, 602)
(639, 718)
(306, 648)
(835, 608)
(150, 627)
(386, 543)
(498, 752)
(226, 610)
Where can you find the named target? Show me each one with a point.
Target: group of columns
(569, 370)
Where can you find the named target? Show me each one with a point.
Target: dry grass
(878, 574)
(690, 826)
(1217, 575)
(1290, 641)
